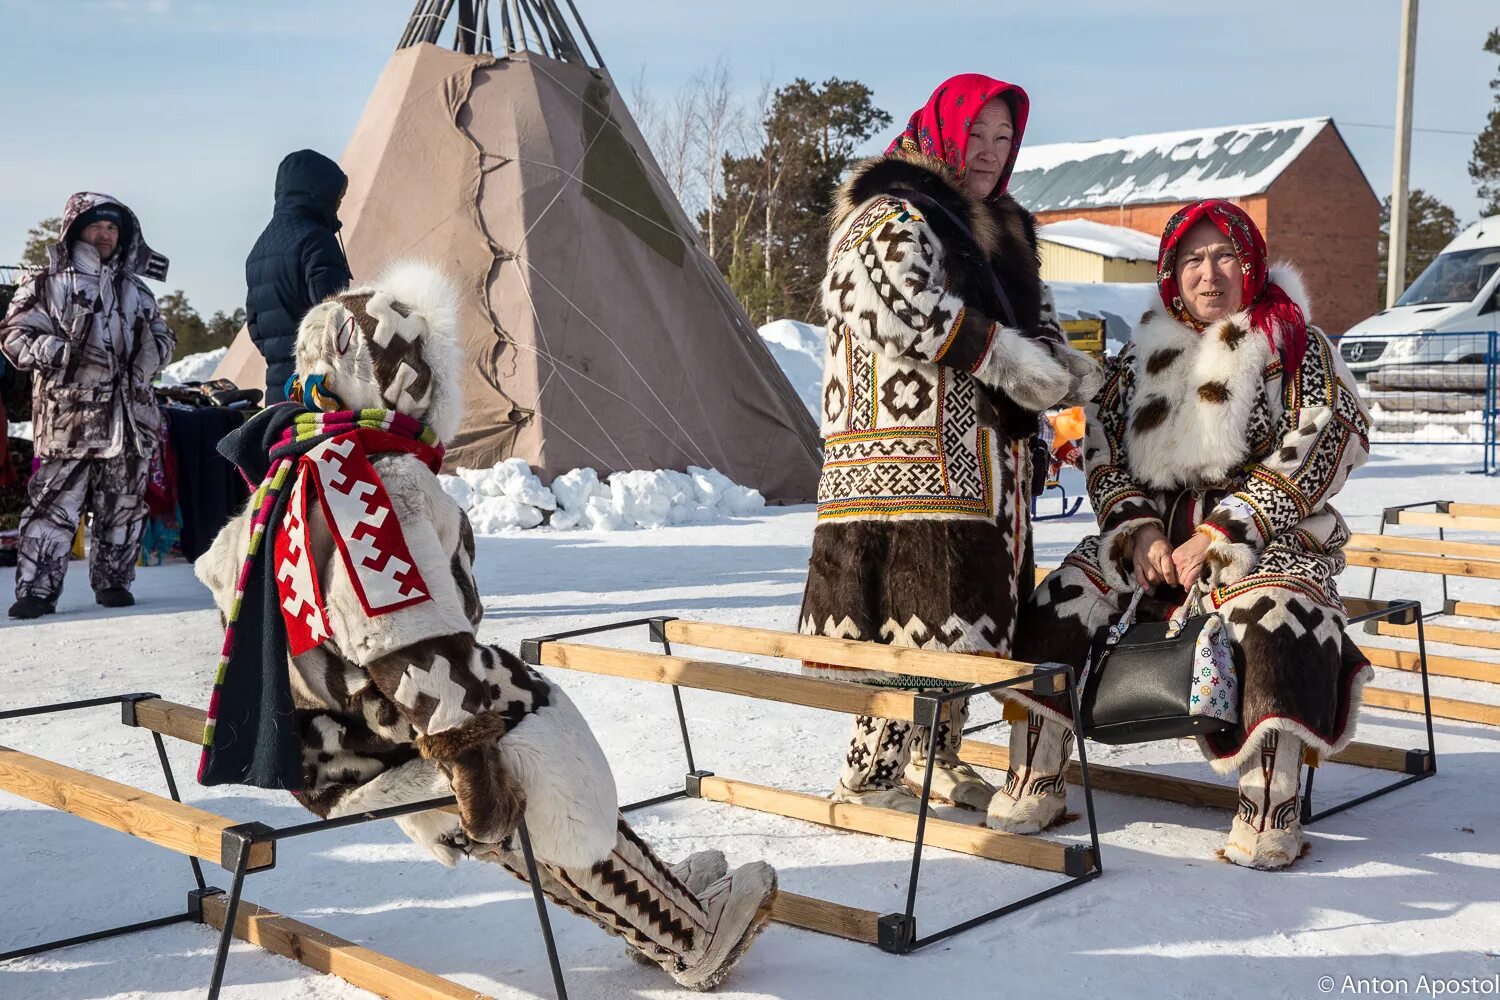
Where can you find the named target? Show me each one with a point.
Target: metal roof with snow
(1228, 162)
(1115, 242)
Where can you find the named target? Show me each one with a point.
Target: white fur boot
(873, 766)
(953, 781)
(1267, 830)
(1035, 792)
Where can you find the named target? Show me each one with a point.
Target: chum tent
(597, 330)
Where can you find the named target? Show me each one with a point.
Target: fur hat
(390, 345)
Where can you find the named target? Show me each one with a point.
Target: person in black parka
(297, 262)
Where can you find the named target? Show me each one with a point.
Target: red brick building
(1297, 179)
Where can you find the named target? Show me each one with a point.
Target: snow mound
(193, 368)
(799, 348)
(509, 497)
(1119, 303)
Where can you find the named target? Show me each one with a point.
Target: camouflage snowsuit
(91, 334)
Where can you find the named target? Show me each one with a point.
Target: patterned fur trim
(1251, 746)
(1117, 553)
(448, 744)
(1228, 562)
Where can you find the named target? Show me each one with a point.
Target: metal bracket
(531, 651)
(1077, 860)
(195, 901)
(1391, 515)
(1450, 607)
(925, 710)
(238, 840)
(1372, 627)
(128, 703)
(1442, 506)
(658, 629)
(896, 933)
(1419, 762)
(694, 786)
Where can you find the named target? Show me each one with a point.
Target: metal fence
(1431, 389)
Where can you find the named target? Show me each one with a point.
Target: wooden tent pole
(586, 36)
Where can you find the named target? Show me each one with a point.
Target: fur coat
(409, 704)
(1195, 429)
(943, 348)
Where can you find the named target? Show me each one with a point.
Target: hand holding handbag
(1160, 680)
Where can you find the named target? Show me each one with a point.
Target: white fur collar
(1194, 395)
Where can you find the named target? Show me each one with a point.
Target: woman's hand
(1188, 557)
(1152, 558)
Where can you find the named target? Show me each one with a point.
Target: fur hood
(994, 235)
(392, 344)
(1190, 418)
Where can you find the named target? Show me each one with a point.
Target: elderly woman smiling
(1223, 430)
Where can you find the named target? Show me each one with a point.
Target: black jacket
(297, 262)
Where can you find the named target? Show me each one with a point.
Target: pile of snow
(510, 497)
(193, 368)
(1119, 303)
(799, 348)
(19, 429)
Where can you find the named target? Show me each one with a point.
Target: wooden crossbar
(1469, 609)
(965, 667)
(1486, 551)
(153, 818)
(750, 682)
(813, 914)
(1443, 708)
(1478, 638)
(1479, 569)
(326, 953)
(1450, 520)
(1487, 510)
(1032, 852)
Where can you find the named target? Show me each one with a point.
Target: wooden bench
(894, 931)
(240, 848)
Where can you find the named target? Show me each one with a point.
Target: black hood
(309, 182)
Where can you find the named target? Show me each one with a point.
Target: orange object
(1067, 425)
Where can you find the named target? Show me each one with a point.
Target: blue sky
(183, 108)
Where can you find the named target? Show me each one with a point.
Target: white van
(1447, 314)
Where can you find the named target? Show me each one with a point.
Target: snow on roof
(1118, 242)
(1228, 162)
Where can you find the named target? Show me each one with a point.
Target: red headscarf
(940, 128)
(1272, 312)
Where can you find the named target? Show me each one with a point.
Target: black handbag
(1159, 680)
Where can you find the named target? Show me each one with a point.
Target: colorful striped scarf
(251, 736)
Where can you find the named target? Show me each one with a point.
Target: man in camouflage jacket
(88, 329)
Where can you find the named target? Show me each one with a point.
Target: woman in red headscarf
(1224, 428)
(943, 350)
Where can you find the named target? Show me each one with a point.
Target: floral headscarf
(940, 128)
(1272, 312)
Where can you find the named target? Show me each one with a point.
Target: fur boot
(1035, 792)
(695, 937)
(953, 781)
(872, 771)
(1267, 830)
(697, 872)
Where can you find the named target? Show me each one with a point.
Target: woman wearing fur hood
(1223, 430)
(351, 607)
(943, 348)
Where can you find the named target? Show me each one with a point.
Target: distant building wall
(1065, 263)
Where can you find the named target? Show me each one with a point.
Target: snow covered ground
(193, 368)
(1400, 887)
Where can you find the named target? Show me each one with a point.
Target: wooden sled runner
(239, 848)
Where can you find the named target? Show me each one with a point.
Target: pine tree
(1484, 165)
(1430, 226)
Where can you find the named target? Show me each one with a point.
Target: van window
(1453, 277)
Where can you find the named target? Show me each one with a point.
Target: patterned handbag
(1160, 680)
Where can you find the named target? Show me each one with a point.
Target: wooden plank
(1475, 568)
(1033, 852)
(1468, 609)
(1356, 606)
(966, 667)
(1478, 638)
(1485, 510)
(826, 917)
(319, 950)
(1127, 781)
(1464, 521)
(152, 818)
(171, 719)
(1438, 666)
(1488, 551)
(751, 682)
(1375, 756)
(1442, 708)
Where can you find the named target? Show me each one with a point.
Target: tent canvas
(598, 332)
